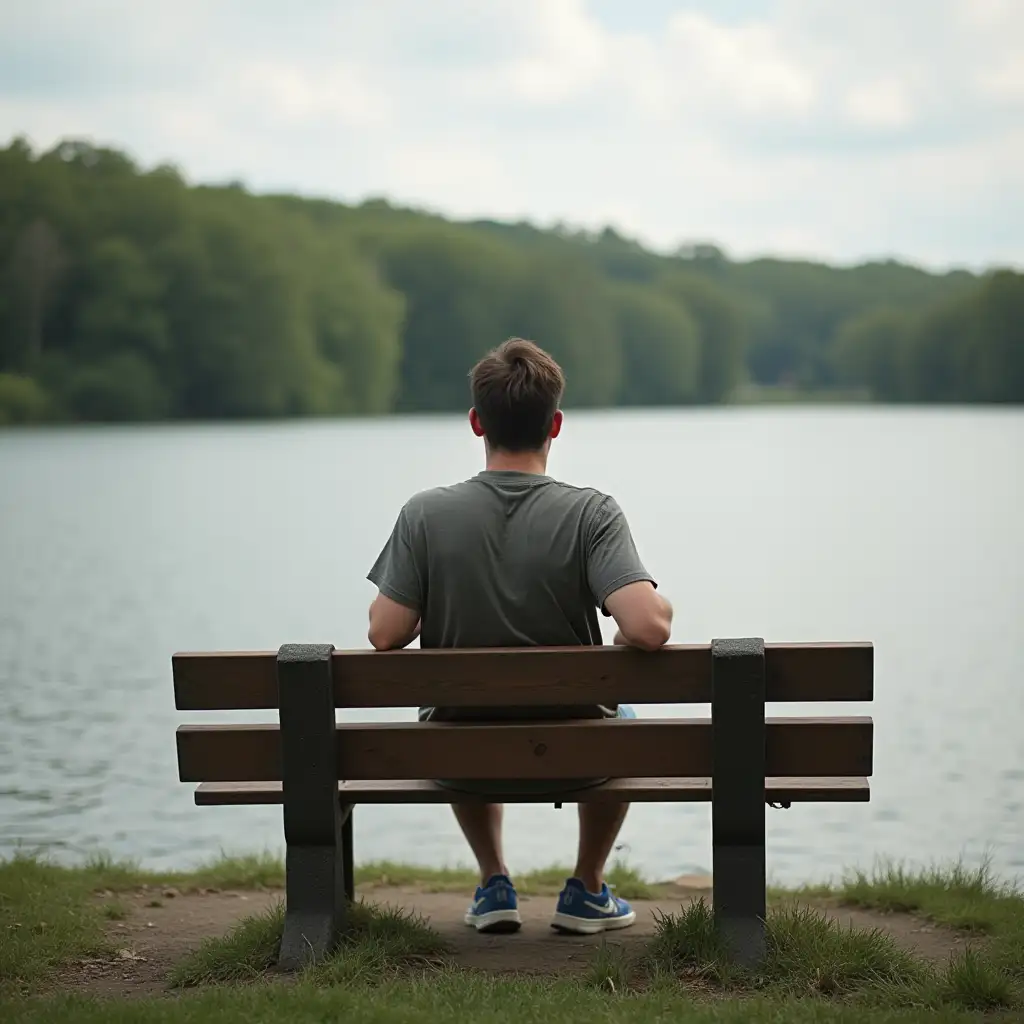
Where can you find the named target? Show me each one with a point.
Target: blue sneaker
(587, 913)
(495, 907)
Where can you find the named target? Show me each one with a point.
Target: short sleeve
(399, 572)
(612, 558)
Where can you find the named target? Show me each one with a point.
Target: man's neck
(520, 462)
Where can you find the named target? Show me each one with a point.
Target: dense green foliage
(127, 294)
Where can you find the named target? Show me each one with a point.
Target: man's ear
(474, 422)
(556, 423)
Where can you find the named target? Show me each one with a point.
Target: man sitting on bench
(514, 558)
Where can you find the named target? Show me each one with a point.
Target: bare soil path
(162, 926)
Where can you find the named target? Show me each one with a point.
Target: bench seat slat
(853, 789)
(524, 676)
(644, 748)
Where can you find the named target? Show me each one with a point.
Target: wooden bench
(319, 770)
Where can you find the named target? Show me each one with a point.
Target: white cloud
(300, 95)
(747, 65)
(838, 130)
(1005, 82)
(883, 104)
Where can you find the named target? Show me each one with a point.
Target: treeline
(126, 294)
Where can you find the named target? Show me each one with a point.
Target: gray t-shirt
(508, 559)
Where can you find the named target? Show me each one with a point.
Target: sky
(825, 129)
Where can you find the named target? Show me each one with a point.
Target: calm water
(118, 547)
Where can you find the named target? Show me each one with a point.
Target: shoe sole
(496, 922)
(569, 925)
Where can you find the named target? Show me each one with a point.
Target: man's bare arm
(392, 625)
(643, 616)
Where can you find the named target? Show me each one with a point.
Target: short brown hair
(516, 391)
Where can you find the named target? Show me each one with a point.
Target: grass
(969, 899)
(976, 983)
(956, 896)
(393, 967)
(266, 871)
(453, 998)
(811, 955)
(246, 953)
(46, 919)
(807, 954)
(380, 943)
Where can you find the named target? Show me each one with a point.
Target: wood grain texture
(524, 676)
(644, 748)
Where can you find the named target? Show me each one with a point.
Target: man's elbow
(388, 638)
(654, 639)
(380, 639)
(651, 636)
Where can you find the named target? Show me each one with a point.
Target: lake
(905, 527)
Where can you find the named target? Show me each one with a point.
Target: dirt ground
(152, 938)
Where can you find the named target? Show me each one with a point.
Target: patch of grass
(970, 899)
(686, 943)
(246, 953)
(114, 911)
(266, 871)
(457, 997)
(810, 953)
(807, 954)
(101, 872)
(610, 971)
(246, 871)
(380, 942)
(955, 895)
(46, 919)
(975, 983)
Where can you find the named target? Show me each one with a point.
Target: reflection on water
(118, 547)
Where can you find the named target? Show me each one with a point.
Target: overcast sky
(837, 129)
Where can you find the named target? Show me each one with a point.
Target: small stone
(169, 894)
(149, 924)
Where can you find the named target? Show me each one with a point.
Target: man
(514, 558)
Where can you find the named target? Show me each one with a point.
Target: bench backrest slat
(644, 748)
(525, 676)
